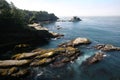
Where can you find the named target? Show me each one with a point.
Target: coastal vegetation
(14, 22)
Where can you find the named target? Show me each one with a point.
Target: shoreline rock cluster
(19, 64)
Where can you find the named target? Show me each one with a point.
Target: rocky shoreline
(19, 65)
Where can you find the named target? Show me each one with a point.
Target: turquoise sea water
(100, 30)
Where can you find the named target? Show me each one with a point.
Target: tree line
(12, 17)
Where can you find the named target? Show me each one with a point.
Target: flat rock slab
(25, 55)
(11, 63)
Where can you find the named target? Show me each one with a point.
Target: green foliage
(38, 16)
(13, 19)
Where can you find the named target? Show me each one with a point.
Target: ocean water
(100, 30)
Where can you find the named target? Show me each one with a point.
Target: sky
(72, 7)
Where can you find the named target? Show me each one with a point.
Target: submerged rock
(95, 58)
(75, 42)
(107, 47)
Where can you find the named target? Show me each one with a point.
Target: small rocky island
(75, 19)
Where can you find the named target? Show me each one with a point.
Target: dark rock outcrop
(107, 47)
(75, 42)
(95, 58)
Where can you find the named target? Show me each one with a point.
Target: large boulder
(75, 42)
(95, 58)
(107, 47)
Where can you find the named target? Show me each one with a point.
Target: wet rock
(21, 73)
(12, 63)
(8, 71)
(14, 72)
(107, 47)
(70, 51)
(56, 35)
(75, 42)
(42, 62)
(69, 55)
(95, 58)
(25, 55)
(46, 55)
(42, 57)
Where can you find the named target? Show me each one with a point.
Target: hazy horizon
(72, 7)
